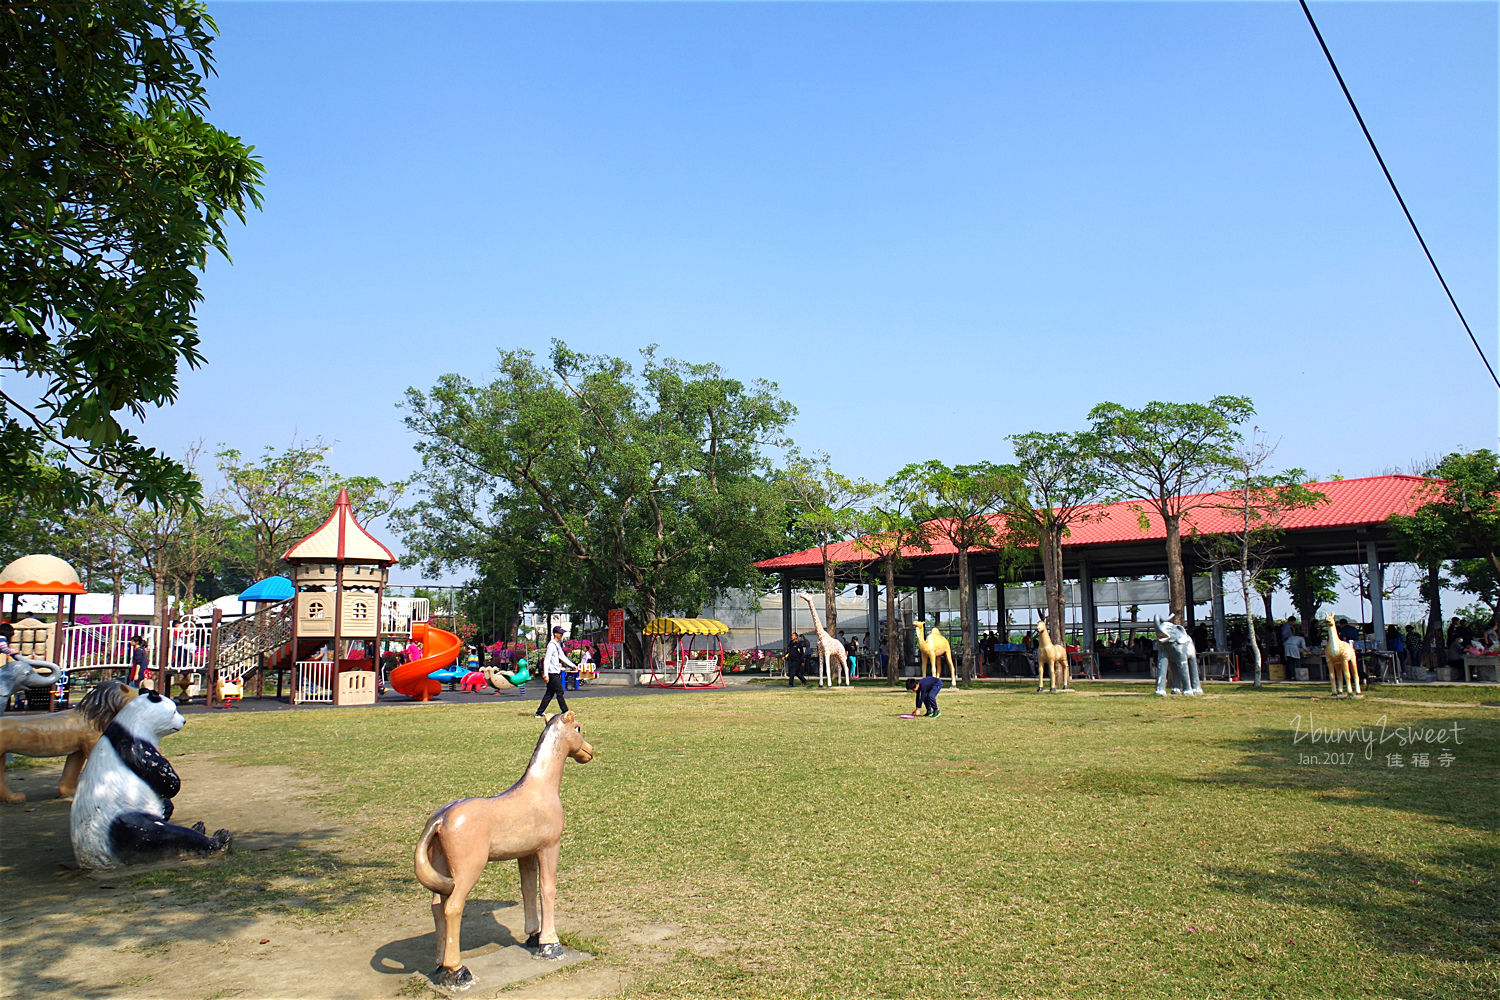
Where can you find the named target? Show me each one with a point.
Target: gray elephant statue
(1174, 648)
(22, 672)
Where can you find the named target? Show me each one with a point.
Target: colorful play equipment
(439, 649)
(676, 662)
(524, 823)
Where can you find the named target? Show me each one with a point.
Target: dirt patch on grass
(156, 932)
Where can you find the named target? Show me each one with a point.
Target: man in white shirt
(1292, 649)
(553, 665)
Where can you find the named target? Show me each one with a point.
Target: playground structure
(324, 628)
(675, 662)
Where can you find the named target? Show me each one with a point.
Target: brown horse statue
(524, 822)
(71, 734)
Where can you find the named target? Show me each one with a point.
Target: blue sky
(1011, 211)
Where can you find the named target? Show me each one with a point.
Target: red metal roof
(1351, 503)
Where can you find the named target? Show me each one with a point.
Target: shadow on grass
(481, 928)
(1360, 771)
(1440, 905)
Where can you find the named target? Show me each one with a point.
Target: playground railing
(242, 642)
(315, 679)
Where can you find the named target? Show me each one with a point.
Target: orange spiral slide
(439, 648)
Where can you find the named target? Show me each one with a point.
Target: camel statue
(1174, 647)
(1343, 671)
(933, 650)
(830, 652)
(524, 822)
(56, 734)
(1051, 659)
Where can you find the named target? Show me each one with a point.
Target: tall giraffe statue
(830, 651)
(934, 649)
(1051, 659)
(1343, 670)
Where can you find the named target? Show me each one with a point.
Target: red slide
(439, 649)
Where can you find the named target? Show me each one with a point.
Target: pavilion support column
(1189, 612)
(922, 601)
(1001, 628)
(1221, 629)
(872, 646)
(1377, 603)
(786, 612)
(972, 611)
(1090, 615)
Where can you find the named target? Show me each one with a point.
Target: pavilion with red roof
(1127, 539)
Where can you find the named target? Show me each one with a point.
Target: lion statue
(73, 733)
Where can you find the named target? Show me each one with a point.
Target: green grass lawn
(1101, 844)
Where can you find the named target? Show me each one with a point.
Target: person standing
(1292, 649)
(140, 661)
(552, 669)
(796, 657)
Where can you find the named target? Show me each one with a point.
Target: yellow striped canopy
(684, 626)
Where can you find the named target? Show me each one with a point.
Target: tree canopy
(1165, 454)
(600, 484)
(115, 190)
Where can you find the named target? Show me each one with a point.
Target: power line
(1394, 190)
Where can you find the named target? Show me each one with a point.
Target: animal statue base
(1174, 648)
(524, 823)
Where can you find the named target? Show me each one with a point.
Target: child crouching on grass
(927, 691)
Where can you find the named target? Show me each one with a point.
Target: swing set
(676, 659)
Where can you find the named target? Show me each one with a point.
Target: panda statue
(124, 795)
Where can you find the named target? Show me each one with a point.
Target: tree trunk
(830, 599)
(163, 620)
(892, 626)
(1177, 591)
(1266, 598)
(1302, 597)
(966, 623)
(1434, 637)
(1053, 585)
(1255, 656)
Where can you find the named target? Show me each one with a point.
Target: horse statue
(1174, 648)
(524, 822)
(56, 734)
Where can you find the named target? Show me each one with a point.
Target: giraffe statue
(1051, 659)
(1343, 671)
(830, 652)
(934, 650)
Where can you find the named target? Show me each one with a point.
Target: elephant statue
(1174, 648)
(22, 672)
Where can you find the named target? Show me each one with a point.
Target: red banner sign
(617, 625)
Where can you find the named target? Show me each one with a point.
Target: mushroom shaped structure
(39, 574)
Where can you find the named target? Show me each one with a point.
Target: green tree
(1258, 500)
(282, 497)
(642, 488)
(1459, 516)
(959, 504)
(1168, 454)
(886, 529)
(1059, 478)
(827, 506)
(114, 189)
